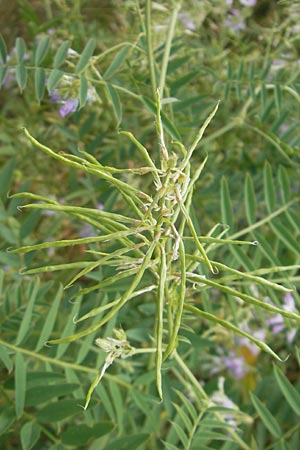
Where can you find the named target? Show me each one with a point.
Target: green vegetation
(149, 207)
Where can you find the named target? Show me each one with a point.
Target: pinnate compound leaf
(289, 392)
(267, 418)
(30, 433)
(61, 54)
(85, 56)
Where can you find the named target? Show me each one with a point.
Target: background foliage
(220, 391)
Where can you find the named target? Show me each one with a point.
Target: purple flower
(245, 342)
(86, 231)
(236, 366)
(235, 22)
(69, 105)
(220, 398)
(55, 96)
(186, 21)
(277, 323)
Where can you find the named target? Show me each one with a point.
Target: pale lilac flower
(69, 105)
(289, 302)
(245, 342)
(221, 399)
(277, 323)
(55, 96)
(64, 94)
(283, 128)
(10, 78)
(291, 334)
(86, 231)
(187, 22)
(236, 366)
(235, 21)
(248, 2)
(50, 250)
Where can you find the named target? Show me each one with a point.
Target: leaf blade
(20, 49)
(53, 79)
(289, 392)
(21, 76)
(20, 384)
(41, 50)
(61, 54)
(267, 418)
(85, 56)
(116, 63)
(30, 433)
(50, 320)
(39, 82)
(3, 50)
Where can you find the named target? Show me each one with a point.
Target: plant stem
(63, 364)
(150, 48)
(167, 51)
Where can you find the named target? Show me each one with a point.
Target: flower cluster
(277, 324)
(235, 19)
(66, 94)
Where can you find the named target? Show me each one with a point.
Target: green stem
(57, 362)
(167, 51)
(150, 48)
